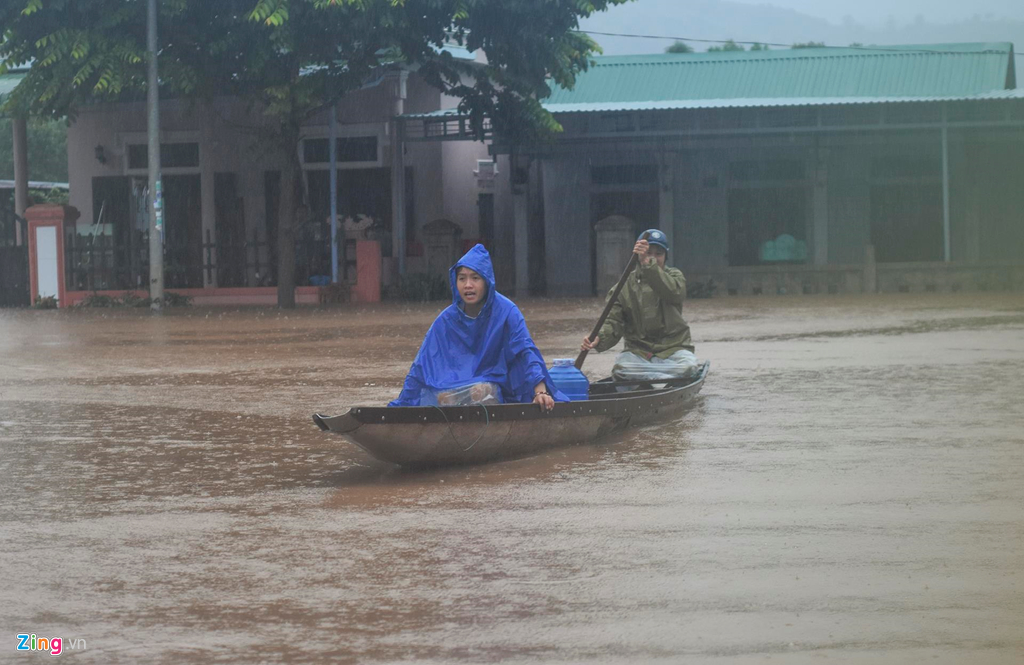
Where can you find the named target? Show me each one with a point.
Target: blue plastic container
(570, 380)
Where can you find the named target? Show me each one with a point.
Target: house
(221, 187)
(812, 170)
(819, 170)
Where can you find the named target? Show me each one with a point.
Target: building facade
(797, 171)
(794, 171)
(221, 189)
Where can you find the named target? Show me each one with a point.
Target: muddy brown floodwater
(848, 488)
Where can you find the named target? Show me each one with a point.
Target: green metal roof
(773, 102)
(8, 82)
(840, 75)
(743, 102)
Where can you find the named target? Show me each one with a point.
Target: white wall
(459, 185)
(228, 144)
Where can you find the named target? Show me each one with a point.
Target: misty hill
(721, 19)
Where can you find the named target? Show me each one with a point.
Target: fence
(14, 285)
(100, 263)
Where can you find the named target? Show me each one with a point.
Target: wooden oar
(633, 258)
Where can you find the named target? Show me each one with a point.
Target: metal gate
(14, 286)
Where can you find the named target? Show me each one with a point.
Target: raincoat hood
(478, 260)
(494, 347)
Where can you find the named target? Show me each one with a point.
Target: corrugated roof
(888, 73)
(772, 102)
(35, 184)
(8, 82)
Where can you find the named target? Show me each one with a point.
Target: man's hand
(640, 249)
(589, 344)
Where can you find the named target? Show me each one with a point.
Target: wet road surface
(848, 488)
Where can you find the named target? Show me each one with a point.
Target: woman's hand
(544, 400)
(589, 344)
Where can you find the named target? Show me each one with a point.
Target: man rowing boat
(478, 350)
(648, 313)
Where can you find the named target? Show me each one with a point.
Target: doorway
(183, 232)
(906, 222)
(761, 214)
(229, 210)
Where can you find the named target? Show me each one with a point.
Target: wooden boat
(440, 436)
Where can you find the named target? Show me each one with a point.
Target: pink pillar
(368, 272)
(46, 249)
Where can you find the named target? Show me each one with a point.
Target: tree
(47, 150)
(679, 47)
(810, 45)
(729, 45)
(759, 47)
(293, 58)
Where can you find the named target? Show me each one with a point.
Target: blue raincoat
(494, 347)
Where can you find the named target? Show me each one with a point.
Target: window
(789, 117)
(893, 167)
(911, 114)
(624, 174)
(172, 155)
(612, 122)
(782, 169)
(350, 149)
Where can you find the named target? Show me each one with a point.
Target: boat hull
(441, 436)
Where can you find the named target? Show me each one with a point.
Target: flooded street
(849, 487)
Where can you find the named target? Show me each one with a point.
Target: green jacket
(649, 314)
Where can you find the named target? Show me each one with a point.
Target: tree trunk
(291, 199)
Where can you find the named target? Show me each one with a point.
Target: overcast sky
(784, 22)
(877, 11)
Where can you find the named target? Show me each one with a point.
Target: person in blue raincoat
(478, 350)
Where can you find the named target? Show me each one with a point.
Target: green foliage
(729, 45)
(172, 299)
(55, 195)
(420, 287)
(98, 300)
(47, 150)
(292, 57)
(679, 47)
(45, 302)
(130, 299)
(809, 45)
(759, 47)
(700, 290)
(333, 294)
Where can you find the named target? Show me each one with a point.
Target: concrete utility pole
(398, 171)
(334, 192)
(20, 174)
(156, 200)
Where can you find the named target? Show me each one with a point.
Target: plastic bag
(631, 367)
(472, 395)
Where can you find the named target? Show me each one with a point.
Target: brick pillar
(368, 272)
(46, 249)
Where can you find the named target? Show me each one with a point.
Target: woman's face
(472, 287)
